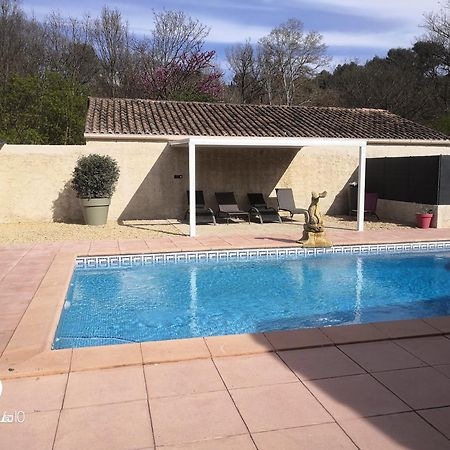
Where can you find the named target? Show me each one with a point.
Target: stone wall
(34, 179)
(405, 212)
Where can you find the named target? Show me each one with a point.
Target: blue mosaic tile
(89, 262)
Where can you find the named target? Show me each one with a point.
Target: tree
(174, 64)
(288, 54)
(191, 77)
(437, 54)
(432, 59)
(46, 109)
(246, 84)
(437, 25)
(69, 49)
(111, 42)
(20, 41)
(399, 83)
(176, 34)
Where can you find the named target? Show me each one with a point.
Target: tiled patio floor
(374, 386)
(376, 395)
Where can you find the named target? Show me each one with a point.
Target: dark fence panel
(375, 175)
(444, 180)
(407, 179)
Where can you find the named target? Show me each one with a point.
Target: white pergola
(276, 142)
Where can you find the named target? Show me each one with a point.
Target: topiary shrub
(95, 176)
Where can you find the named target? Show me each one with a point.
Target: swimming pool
(130, 300)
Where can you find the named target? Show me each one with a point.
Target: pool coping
(29, 352)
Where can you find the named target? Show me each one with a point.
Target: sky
(352, 29)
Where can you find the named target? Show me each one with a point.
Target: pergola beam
(235, 141)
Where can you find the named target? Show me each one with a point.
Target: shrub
(95, 176)
(42, 109)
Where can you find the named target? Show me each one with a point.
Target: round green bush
(95, 176)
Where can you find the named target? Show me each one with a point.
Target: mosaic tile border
(94, 262)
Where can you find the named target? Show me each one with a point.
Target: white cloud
(228, 32)
(404, 10)
(406, 15)
(382, 39)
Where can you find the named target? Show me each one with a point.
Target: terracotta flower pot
(423, 220)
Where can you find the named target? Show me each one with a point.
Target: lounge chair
(201, 211)
(286, 203)
(229, 208)
(259, 209)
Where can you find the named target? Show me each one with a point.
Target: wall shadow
(323, 387)
(439, 306)
(160, 195)
(162, 192)
(340, 204)
(66, 207)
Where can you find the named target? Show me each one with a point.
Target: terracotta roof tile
(159, 118)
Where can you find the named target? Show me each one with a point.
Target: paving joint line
(232, 399)
(62, 403)
(320, 403)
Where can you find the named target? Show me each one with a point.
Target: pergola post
(192, 204)
(361, 187)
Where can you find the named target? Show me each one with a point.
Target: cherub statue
(313, 230)
(315, 221)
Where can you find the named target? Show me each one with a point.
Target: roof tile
(159, 118)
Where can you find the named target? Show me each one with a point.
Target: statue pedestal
(314, 239)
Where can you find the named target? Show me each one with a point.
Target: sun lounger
(203, 213)
(229, 208)
(260, 210)
(286, 203)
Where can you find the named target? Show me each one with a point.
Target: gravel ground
(371, 223)
(50, 232)
(18, 233)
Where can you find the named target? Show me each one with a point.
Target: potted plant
(94, 180)
(423, 219)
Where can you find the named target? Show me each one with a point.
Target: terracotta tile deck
(197, 417)
(316, 363)
(368, 386)
(182, 378)
(118, 426)
(439, 418)
(254, 370)
(394, 432)
(382, 356)
(320, 437)
(421, 388)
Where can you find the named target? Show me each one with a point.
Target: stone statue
(313, 230)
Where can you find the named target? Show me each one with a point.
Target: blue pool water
(180, 300)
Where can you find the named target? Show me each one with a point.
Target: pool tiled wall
(94, 262)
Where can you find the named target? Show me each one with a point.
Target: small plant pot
(95, 210)
(423, 220)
